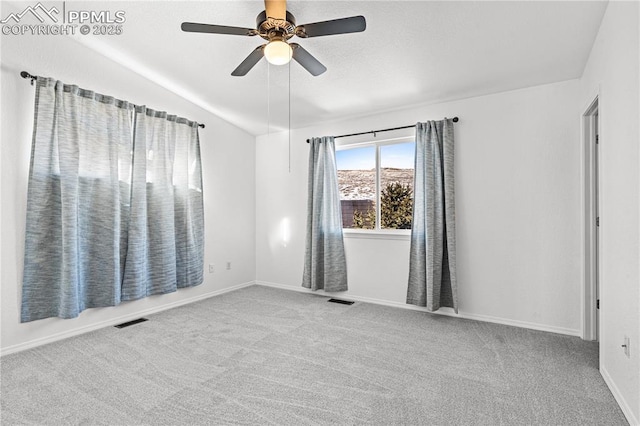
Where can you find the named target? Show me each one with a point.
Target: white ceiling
(412, 52)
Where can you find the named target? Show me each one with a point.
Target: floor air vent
(128, 323)
(342, 302)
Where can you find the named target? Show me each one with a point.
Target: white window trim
(374, 234)
(377, 234)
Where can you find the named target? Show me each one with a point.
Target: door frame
(590, 123)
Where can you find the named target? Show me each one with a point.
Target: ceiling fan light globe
(278, 52)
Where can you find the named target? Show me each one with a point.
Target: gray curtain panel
(325, 265)
(77, 202)
(166, 225)
(91, 188)
(432, 262)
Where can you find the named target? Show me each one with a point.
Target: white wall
(518, 208)
(612, 73)
(228, 162)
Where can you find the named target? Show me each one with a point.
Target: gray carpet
(266, 356)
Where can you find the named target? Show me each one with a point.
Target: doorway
(592, 196)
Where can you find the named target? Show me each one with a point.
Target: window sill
(377, 235)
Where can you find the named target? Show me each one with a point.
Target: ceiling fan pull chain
(289, 117)
(268, 102)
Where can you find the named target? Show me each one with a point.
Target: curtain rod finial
(25, 74)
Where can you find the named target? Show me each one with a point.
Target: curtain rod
(25, 74)
(455, 120)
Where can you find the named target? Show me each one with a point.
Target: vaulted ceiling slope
(412, 52)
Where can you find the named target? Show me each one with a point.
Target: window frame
(377, 232)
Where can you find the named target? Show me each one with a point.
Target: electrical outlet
(212, 268)
(625, 346)
(228, 265)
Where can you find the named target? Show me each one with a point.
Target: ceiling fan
(276, 25)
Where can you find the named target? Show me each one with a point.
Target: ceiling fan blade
(276, 9)
(192, 27)
(307, 60)
(249, 62)
(354, 24)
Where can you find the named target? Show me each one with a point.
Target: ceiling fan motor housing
(269, 28)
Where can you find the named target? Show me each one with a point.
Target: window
(376, 184)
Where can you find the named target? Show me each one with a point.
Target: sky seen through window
(398, 156)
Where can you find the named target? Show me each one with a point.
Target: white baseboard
(442, 311)
(117, 320)
(624, 406)
(524, 324)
